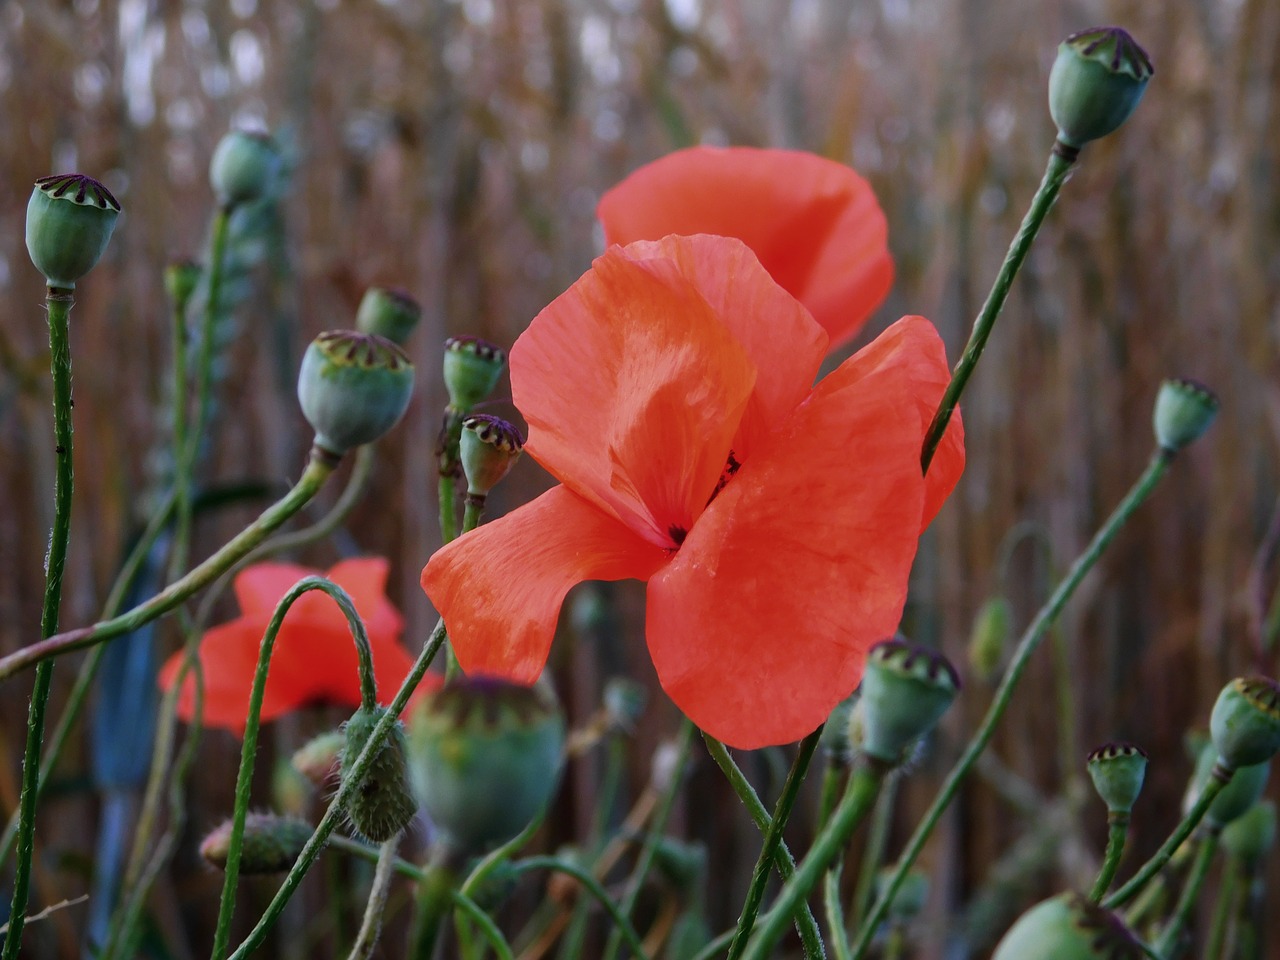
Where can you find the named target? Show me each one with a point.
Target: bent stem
(596, 889)
(1117, 831)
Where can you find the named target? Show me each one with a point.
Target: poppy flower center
(678, 533)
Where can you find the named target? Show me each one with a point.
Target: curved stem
(594, 887)
(837, 934)
(1117, 831)
(491, 861)
(1224, 912)
(371, 925)
(873, 853)
(1167, 945)
(472, 911)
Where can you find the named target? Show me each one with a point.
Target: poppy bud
(382, 804)
(905, 690)
(69, 221)
(1250, 836)
(271, 843)
(388, 313)
(353, 388)
(683, 865)
(1096, 81)
(835, 736)
(489, 449)
(1184, 410)
(244, 167)
(1245, 723)
(486, 758)
(1117, 771)
(320, 758)
(471, 370)
(992, 628)
(1241, 792)
(1068, 927)
(911, 896)
(180, 280)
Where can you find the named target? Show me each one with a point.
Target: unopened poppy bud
(353, 388)
(290, 791)
(489, 449)
(1241, 792)
(683, 865)
(1096, 82)
(1069, 927)
(471, 370)
(1245, 723)
(180, 281)
(382, 804)
(487, 756)
(911, 897)
(244, 167)
(392, 314)
(271, 843)
(320, 758)
(1184, 410)
(905, 690)
(1117, 771)
(1250, 836)
(69, 221)
(992, 628)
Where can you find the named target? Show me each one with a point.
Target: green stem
(873, 853)
(1060, 161)
(1224, 912)
(594, 887)
(1169, 940)
(832, 781)
(837, 933)
(473, 912)
(473, 510)
(58, 303)
(435, 898)
(1030, 640)
(371, 925)
(449, 464)
(1117, 831)
(204, 362)
(492, 860)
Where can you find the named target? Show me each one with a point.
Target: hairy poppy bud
(911, 896)
(1068, 927)
(244, 167)
(488, 449)
(905, 691)
(69, 221)
(383, 804)
(392, 314)
(180, 281)
(1096, 82)
(1245, 723)
(271, 843)
(989, 639)
(1241, 792)
(1250, 836)
(1117, 771)
(353, 388)
(320, 758)
(487, 756)
(471, 370)
(1184, 411)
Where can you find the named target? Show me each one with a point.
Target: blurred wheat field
(457, 149)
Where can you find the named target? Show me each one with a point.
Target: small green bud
(180, 281)
(320, 758)
(1184, 411)
(69, 221)
(905, 691)
(245, 167)
(290, 791)
(1250, 836)
(271, 843)
(392, 314)
(488, 449)
(682, 864)
(911, 896)
(690, 934)
(383, 804)
(1117, 771)
(1096, 82)
(992, 628)
(471, 370)
(353, 388)
(487, 756)
(1069, 927)
(1245, 723)
(1242, 791)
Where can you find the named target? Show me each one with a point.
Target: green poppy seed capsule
(353, 388)
(1117, 771)
(911, 897)
(471, 370)
(905, 691)
(1096, 82)
(1245, 723)
(1250, 836)
(487, 756)
(1069, 927)
(1242, 791)
(245, 167)
(383, 804)
(69, 221)
(271, 843)
(989, 640)
(180, 281)
(320, 758)
(392, 314)
(489, 448)
(1184, 410)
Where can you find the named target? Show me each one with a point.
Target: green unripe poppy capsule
(471, 370)
(392, 314)
(489, 448)
(69, 222)
(992, 628)
(1117, 771)
(353, 388)
(271, 843)
(905, 691)
(1251, 835)
(180, 281)
(1068, 927)
(1184, 410)
(382, 804)
(1245, 723)
(1096, 82)
(244, 168)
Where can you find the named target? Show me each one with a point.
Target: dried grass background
(457, 150)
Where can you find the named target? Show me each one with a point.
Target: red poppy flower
(814, 223)
(670, 390)
(314, 660)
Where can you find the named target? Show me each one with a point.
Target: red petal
(633, 390)
(258, 588)
(500, 587)
(814, 223)
(365, 581)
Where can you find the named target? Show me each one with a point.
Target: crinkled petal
(258, 588)
(365, 581)
(500, 587)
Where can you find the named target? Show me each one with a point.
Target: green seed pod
(1241, 792)
(1096, 82)
(905, 691)
(835, 739)
(1250, 836)
(69, 221)
(989, 640)
(471, 370)
(681, 864)
(245, 167)
(320, 758)
(487, 756)
(1068, 927)
(180, 281)
(392, 314)
(271, 843)
(911, 897)
(1245, 723)
(353, 388)
(489, 449)
(1117, 771)
(383, 804)
(1184, 410)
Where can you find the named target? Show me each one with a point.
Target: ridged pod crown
(389, 313)
(905, 691)
(245, 167)
(1097, 80)
(1068, 927)
(271, 843)
(70, 218)
(471, 370)
(1184, 410)
(353, 388)
(383, 804)
(1251, 835)
(1117, 771)
(489, 448)
(1245, 723)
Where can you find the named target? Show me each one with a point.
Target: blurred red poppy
(314, 660)
(670, 390)
(814, 223)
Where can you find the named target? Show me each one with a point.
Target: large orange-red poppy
(671, 391)
(314, 660)
(814, 223)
